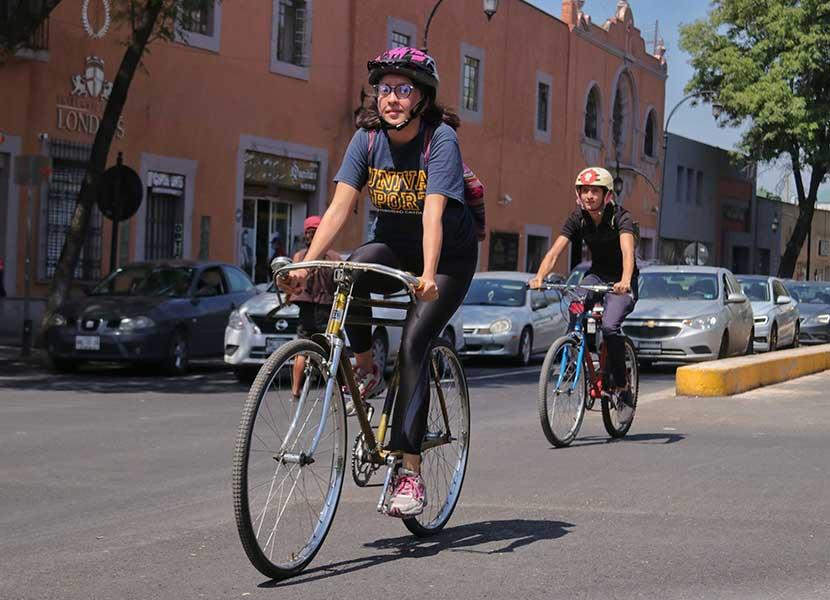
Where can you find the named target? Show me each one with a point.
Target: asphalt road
(117, 485)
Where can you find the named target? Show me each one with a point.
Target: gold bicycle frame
(343, 299)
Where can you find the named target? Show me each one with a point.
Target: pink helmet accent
(312, 222)
(409, 62)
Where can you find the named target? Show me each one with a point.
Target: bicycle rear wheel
(284, 509)
(562, 393)
(443, 466)
(616, 416)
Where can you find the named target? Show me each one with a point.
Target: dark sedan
(161, 312)
(813, 299)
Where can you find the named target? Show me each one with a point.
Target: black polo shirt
(603, 240)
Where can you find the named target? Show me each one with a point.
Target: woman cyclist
(608, 230)
(423, 226)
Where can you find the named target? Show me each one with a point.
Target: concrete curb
(736, 375)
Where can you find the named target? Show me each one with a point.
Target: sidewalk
(10, 359)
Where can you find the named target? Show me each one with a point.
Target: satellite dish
(696, 253)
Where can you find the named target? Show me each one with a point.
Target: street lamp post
(489, 6)
(717, 108)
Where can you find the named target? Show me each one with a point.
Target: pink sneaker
(368, 382)
(409, 496)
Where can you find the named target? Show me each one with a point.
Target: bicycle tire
(256, 470)
(549, 397)
(443, 467)
(610, 413)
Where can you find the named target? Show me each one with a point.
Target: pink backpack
(473, 188)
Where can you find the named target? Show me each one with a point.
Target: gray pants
(617, 308)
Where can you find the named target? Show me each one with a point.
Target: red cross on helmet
(595, 176)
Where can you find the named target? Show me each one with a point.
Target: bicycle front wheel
(562, 392)
(616, 416)
(284, 507)
(446, 443)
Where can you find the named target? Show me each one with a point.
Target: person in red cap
(314, 299)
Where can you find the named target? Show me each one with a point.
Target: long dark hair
(367, 115)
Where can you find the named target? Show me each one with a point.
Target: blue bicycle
(573, 374)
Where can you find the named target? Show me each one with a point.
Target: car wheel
(525, 347)
(449, 337)
(750, 344)
(178, 354)
(723, 351)
(773, 338)
(63, 365)
(380, 349)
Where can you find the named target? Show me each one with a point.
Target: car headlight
(823, 319)
(134, 323)
(235, 321)
(57, 320)
(500, 326)
(706, 322)
(762, 320)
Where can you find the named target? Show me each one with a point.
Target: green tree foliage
(769, 63)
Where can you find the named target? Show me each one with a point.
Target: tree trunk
(79, 226)
(806, 208)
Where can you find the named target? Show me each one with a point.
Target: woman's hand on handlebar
(535, 283)
(427, 290)
(294, 281)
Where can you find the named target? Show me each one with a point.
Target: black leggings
(423, 324)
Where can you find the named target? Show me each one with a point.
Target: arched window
(623, 111)
(592, 114)
(648, 142)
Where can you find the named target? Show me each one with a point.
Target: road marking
(504, 374)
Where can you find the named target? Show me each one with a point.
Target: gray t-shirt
(398, 182)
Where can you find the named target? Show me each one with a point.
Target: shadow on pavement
(512, 533)
(641, 438)
(204, 377)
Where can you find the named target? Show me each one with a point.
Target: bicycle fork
(307, 457)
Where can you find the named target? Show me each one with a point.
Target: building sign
(82, 109)
(736, 218)
(165, 183)
(291, 173)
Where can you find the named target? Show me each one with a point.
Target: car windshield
(146, 280)
(811, 294)
(685, 286)
(757, 290)
(496, 292)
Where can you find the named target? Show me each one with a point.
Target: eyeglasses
(401, 91)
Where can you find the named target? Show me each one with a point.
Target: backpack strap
(372, 135)
(428, 143)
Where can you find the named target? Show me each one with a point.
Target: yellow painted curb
(736, 375)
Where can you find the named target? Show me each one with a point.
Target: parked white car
(252, 335)
(689, 314)
(504, 317)
(776, 312)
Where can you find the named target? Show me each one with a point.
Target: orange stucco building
(237, 129)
